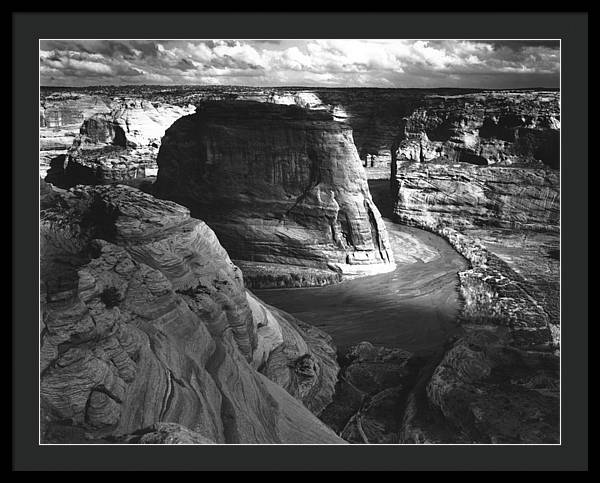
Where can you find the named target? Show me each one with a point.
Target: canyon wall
(280, 185)
(139, 299)
(466, 196)
(458, 124)
(109, 140)
(498, 380)
(61, 117)
(485, 128)
(145, 320)
(481, 170)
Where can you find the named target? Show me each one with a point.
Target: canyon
(298, 265)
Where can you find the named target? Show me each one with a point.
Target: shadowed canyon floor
(414, 307)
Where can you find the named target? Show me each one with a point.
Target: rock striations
(279, 184)
(61, 117)
(485, 166)
(465, 196)
(145, 320)
(483, 128)
(498, 382)
(116, 145)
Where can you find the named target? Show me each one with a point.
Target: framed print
(255, 238)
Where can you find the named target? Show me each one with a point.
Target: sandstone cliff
(481, 170)
(146, 320)
(278, 184)
(61, 117)
(483, 128)
(456, 124)
(466, 196)
(118, 143)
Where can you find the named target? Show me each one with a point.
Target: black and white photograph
(261, 241)
(300, 241)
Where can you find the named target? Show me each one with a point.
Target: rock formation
(61, 117)
(164, 433)
(115, 146)
(464, 124)
(278, 184)
(146, 320)
(149, 335)
(465, 196)
(371, 393)
(484, 128)
(495, 381)
(494, 392)
(498, 381)
(481, 171)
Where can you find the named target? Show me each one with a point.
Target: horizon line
(296, 87)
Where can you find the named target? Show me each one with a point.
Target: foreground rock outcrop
(372, 393)
(278, 184)
(146, 320)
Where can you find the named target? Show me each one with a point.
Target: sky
(398, 63)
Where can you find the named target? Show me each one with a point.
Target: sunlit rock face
(305, 99)
(61, 117)
(134, 123)
(145, 320)
(278, 184)
(465, 196)
(120, 145)
(486, 128)
(458, 124)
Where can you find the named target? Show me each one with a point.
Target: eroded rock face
(498, 381)
(278, 184)
(371, 393)
(465, 124)
(135, 123)
(146, 320)
(115, 146)
(165, 433)
(484, 128)
(513, 210)
(465, 196)
(61, 117)
(495, 393)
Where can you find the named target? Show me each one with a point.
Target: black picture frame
(571, 28)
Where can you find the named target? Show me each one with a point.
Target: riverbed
(414, 307)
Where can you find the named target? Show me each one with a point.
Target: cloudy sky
(326, 63)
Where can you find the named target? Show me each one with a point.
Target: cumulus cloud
(329, 62)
